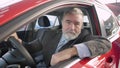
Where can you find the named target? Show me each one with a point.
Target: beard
(70, 35)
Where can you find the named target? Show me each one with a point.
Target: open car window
(50, 20)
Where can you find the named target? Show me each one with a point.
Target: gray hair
(73, 11)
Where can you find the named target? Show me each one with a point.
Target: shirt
(62, 42)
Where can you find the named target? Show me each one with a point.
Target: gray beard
(69, 36)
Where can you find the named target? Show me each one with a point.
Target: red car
(27, 17)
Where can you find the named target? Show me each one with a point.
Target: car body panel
(11, 11)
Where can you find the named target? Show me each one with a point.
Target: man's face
(71, 26)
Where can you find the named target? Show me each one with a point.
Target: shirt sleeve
(82, 50)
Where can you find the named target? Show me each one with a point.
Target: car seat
(43, 21)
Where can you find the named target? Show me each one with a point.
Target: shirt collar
(63, 38)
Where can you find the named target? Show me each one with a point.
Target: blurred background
(114, 5)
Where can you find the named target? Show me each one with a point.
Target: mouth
(71, 33)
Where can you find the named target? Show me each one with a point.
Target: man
(77, 41)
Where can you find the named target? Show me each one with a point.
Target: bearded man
(72, 40)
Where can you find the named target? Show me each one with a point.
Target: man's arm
(91, 49)
(80, 50)
(63, 55)
(98, 46)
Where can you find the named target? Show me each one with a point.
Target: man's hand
(63, 55)
(14, 35)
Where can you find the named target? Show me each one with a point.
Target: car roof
(11, 9)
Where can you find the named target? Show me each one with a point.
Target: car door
(110, 29)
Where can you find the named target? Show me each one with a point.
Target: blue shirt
(61, 43)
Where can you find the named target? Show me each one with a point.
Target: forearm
(73, 51)
(63, 55)
(93, 48)
(98, 47)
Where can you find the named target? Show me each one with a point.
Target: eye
(68, 21)
(77, 23)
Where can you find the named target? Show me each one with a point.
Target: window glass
(110, 24)
(86, 22)
(53, 20)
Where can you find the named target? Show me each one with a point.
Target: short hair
(73, 11)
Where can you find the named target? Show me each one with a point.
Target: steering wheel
(16, 44)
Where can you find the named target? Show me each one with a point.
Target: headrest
(44, 21)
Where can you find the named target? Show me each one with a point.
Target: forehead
(73, 17)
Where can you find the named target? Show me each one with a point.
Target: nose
(72, 26)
